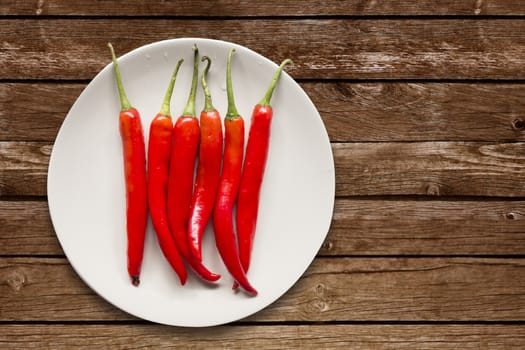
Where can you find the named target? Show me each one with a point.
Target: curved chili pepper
(159, 149)
(180, 181)
(208, 171)
(228, 187)
(253, 171)
(134, 152)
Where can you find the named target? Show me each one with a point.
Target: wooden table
(424, 102)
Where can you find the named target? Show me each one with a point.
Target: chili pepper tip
(135, 280)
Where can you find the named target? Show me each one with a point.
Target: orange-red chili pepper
(208, 171)
(180, 181)
(159, 150)
(228, 188)
(134, 152)
(253, 171)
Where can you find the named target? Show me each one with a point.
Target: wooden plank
(336, 48)
(420, 289)
(49, 283)
(27, 229)
(23, 168)
(332, 289)
(359, 227)
(417, 227)
(378, 337)
(430, 168)
(382, 111)
(246, 8)
(396, 111)
(34, 112)
(387, 168)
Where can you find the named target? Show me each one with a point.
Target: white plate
(87, 200)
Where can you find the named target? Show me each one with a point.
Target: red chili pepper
(134, 152)
(253, 171)
(208, 171)
(159, 149)
(228, 187)
(180, 181)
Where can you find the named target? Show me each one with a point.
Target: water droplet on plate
(148, 56)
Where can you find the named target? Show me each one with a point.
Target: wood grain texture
(23, 168)
(340, 289)
(424, 103)
(394, 111)
(382, 111)
(359, 227)
(336, 48)
(430, 168)
(27, 229)
(48, 283)
(34, 111)
(231, 8)
(377, 337)
(418, 227)
(415, 289)
(386, 168)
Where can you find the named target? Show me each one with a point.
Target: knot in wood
(433, 190)
(39, 6)
(46, 150)
(16, 280)
(512, 215)
(518, 124)
(320, 289)
(477, 7)
(321, 305)
(328, 245)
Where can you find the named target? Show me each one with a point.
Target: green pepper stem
(232, 110)
(268, 96)
(189, 110)
(124, 102)
(208, 106)
(165, 109)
